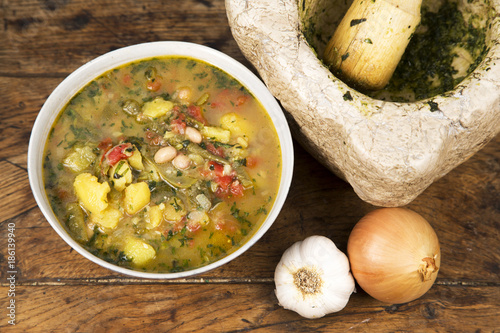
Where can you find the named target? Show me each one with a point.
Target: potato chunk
(91, 193)
(108, 218)
(216, 133)
(136, 197)
(157, 107)
(138, 251)
(155, 215)
(235, 123)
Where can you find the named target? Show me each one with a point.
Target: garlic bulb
(313, 278)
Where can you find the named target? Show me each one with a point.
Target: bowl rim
(73, 83)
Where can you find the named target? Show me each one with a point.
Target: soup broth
(162, 165)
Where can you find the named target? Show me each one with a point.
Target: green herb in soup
(163, 165)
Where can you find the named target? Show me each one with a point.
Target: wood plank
(239, 307)
(20, 160)
(319, 203)
(464, 209)
(36, 34)
(58, 290)
(22, 100)
(15, 192)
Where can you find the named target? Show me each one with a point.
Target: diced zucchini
(169, 135)
(121, 175)
(136, 160)
(203, 99)
(203, 201)
(138, 251)
(136, 197)
(197, 159)
(91, 193)
(79, 159)
(76, 223)
(150, 172)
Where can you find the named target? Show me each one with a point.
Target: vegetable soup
(162, 165)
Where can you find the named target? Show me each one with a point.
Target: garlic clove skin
(313, 278)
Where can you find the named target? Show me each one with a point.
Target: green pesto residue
(426, 69)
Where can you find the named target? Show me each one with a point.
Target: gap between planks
(135, 281)
(53, 75)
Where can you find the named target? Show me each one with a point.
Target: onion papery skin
(385, 250)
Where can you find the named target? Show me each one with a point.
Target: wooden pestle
(370, 41)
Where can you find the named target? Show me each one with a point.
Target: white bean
(184, 93)
(181, 161)
(193, 134)
(165, 154)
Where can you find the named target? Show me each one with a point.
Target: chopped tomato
(118, 153)
(154, 138)
(195, 112)
(105, 144)
(227, 226)
(178, 226)
(179, 124)
(127, 79)
(62, 194)
(156, 141)
(224, 182)
(227, 99)
(193, 226)
(153, 85)
(220, 193)
(217, 168)
(228, 186)
(220, 101)
(150, 134)
(241, 100)
(251, 161)
(216, 105)
(236, 188)
(216, 151)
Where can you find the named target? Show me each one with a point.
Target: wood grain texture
(240, 307)
(38, 32)
(15, 193)
(58, 290)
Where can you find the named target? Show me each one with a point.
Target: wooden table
(57, 290)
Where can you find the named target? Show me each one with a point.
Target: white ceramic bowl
(83, 75)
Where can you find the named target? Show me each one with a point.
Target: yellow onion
(394, 255)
